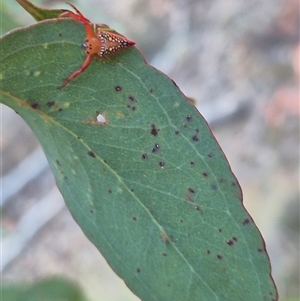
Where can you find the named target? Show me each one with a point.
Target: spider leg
(85, 64)
(80, 18)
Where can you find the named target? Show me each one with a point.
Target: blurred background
(239, 60)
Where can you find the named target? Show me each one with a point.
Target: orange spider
(97, 42)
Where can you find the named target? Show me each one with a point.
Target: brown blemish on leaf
(50, 104)
(189, 199)
(229, 242)
(164, 237)
(144, 156)
(132, 98)
(99, 119)
(191, 190)
(34, 106)
(195, 138)
(214, 187)
(246, 221)
(154, 130)
(198, 208)
(155, 148)
(162, 164)
(92, 154)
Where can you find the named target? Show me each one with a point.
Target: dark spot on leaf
(60, 109)
(91, 211)
(219, 256)
(134, 218)
(234, 238)
(213, 186)
(138, 270)
(205, 174)
(195, 138)
(197, 131)
(191, 190)
(229, 242)
(198, 208)
(144, 156)
(210, 155)
(92, 154)
(208, 251)
(164, 237)
(132, 190)
(78, 137)
(154, 130)
(181, 220)
(155, 148)
(177, 132)
(193, 163)
(184, 125)
(132, 99)
(151, 91)
(161, 164)
(246, 221)
(133, 108)
(220, 230)
(60, 34)
(109, 191)
(34, 105)
(50, 103)
(189, 118)
(165, 254)
(118, 88)
(260, 250)
(58, 162)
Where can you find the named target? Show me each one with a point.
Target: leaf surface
(53, 289)
(138, 168)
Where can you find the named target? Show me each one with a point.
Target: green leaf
(39, 13)
(146, 181)
(47, 290)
